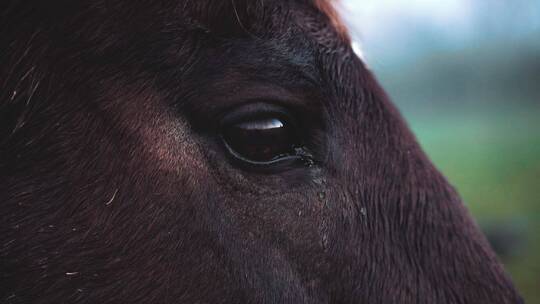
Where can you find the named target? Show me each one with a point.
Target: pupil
(261, 140)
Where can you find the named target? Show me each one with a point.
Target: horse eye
(262, 140)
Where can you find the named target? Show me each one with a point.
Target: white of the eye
(266, 124)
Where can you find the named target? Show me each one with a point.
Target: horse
(216, 152)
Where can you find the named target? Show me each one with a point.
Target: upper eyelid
(223, 96)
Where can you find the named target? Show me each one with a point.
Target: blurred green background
(466, 76)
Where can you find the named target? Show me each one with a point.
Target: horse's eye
(261, 140)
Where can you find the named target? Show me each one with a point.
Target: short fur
(114, 188)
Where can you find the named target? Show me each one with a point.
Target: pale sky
(398, 26)
(371, 16)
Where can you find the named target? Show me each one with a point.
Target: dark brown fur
(114, 188)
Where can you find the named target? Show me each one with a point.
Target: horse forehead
(281, 14)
